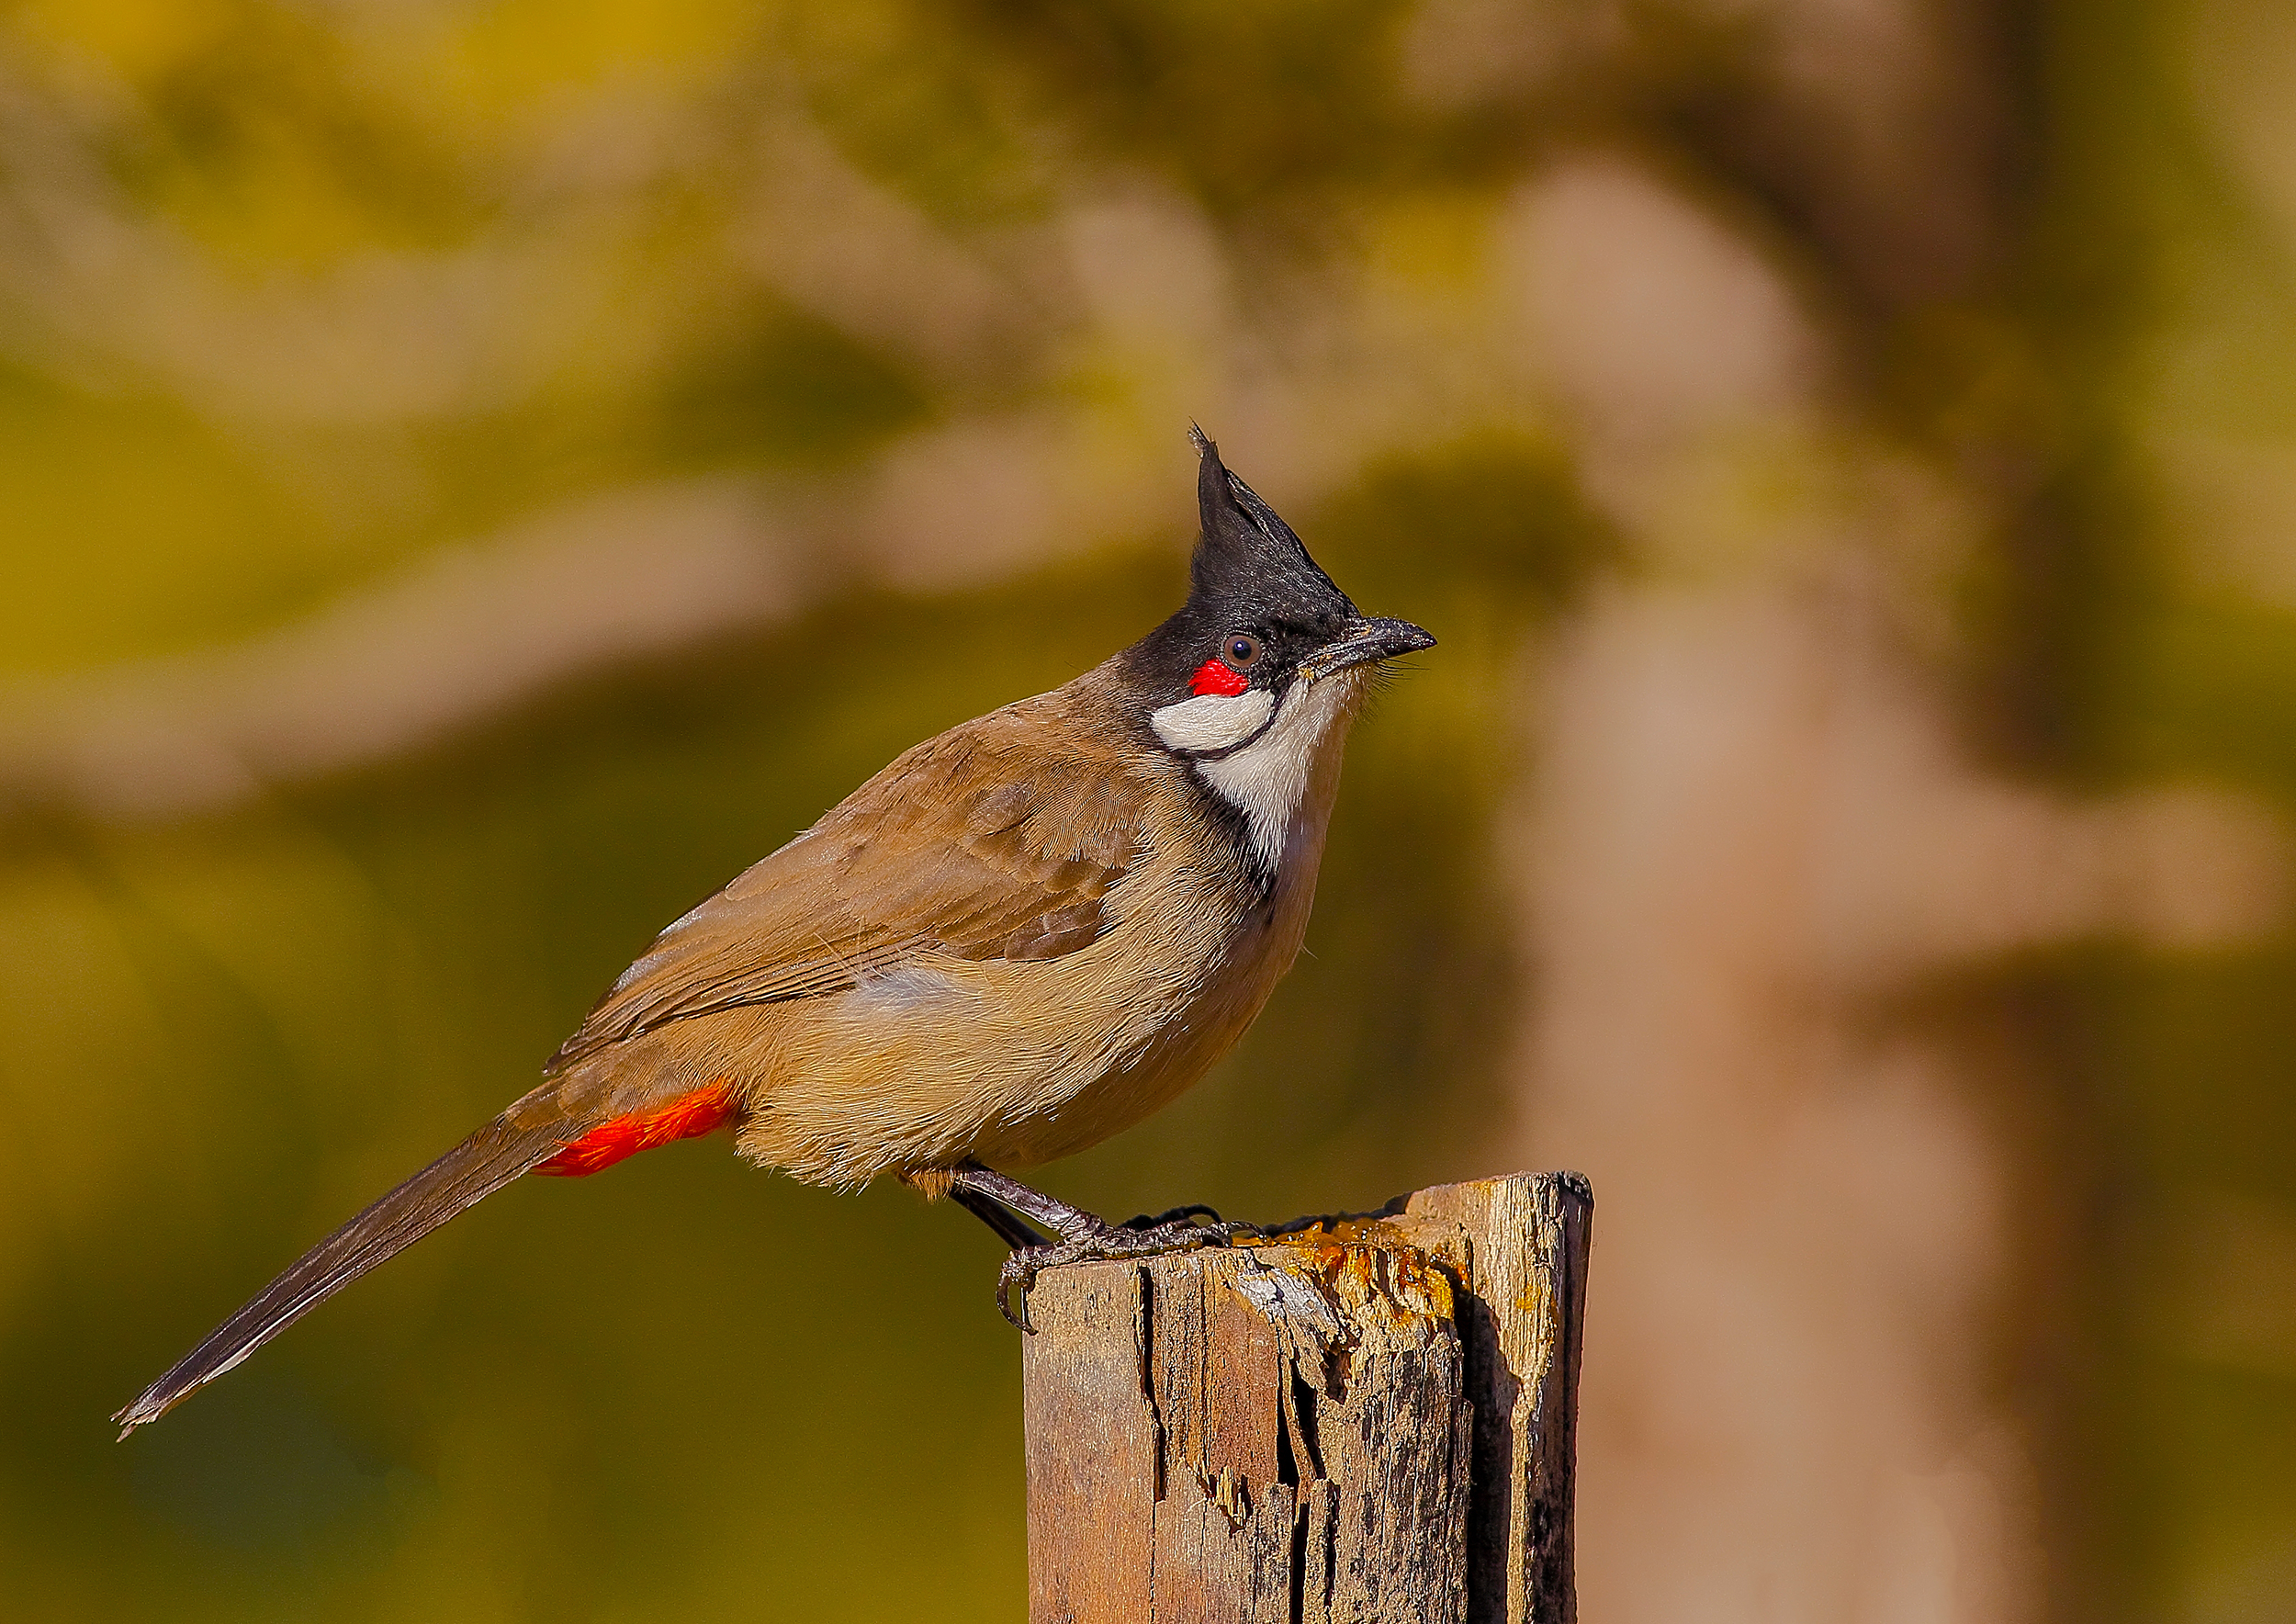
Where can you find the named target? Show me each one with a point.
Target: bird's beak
(1365, 641)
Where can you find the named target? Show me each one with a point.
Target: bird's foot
(1172, 1215)
(1001, 1202)
(1140, 1237)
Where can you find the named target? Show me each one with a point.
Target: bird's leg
(934, 1183)
(968, 1178)
(1083, 1236)
(1010, 1230)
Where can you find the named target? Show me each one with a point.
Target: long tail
(549, 1140)
(474, 1169)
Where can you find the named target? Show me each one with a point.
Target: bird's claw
(1172, 1215)
(1140, 1238)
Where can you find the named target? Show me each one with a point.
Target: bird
(1020, 938)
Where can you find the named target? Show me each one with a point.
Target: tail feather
(474, 1169)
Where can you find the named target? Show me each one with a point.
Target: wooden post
(1365, 1418)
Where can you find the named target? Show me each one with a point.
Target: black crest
(1249, 573)
(1247, 556)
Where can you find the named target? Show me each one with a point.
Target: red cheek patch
(1215, 677)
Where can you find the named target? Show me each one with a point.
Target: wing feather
(980, 844)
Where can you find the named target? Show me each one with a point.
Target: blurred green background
(474, 476)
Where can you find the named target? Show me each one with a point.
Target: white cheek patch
(1267, 779)
(1212, 721)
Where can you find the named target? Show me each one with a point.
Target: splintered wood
(1370, 1419)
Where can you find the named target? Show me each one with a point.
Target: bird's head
(1262, 623)
(1248, 678)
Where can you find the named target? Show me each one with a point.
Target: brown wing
(999, 839)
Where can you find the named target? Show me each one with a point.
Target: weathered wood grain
(1365, 1419)
(1519, 1250)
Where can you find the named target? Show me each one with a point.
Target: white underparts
(1267, 779)
(1214, 721)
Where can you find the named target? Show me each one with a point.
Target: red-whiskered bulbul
(1020, 938)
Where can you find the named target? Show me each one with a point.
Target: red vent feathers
(1215, 676)
(687, 1117)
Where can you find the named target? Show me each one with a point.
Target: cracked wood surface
(1366, 1420)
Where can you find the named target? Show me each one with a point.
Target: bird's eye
(1243, 652)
